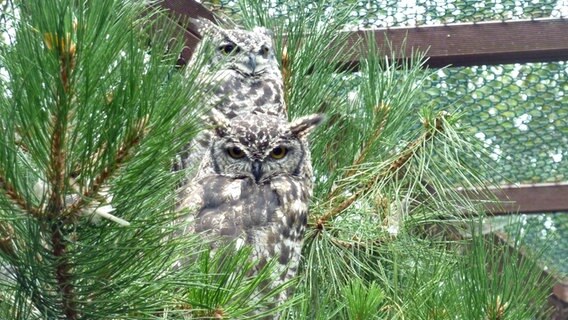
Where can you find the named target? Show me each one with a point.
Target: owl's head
(247, 52)
(261, 147)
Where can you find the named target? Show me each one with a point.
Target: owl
(246, 77)
(241, 77)
(254, 186)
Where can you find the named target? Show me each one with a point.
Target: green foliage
(91, 118)
(362, 301)
(93, 114)
(388, 166)
(240, 295)
(85, 113)
(496, 281)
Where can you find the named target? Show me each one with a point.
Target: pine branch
(395, 166)
(415, 145)
(63, 272)
(355, 242)
(339, 208)
(122, 155)
(6, 12)
(17, 198)
(59, 133)
(286, 70)
(361, 158)
(6, 238)
(56, 173)
(370, 143)
(65, 47)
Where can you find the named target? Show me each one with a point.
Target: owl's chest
(239, 208)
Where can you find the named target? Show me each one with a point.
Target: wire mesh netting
(389, 13)
(518, 111)
(420, 12)
(548, 233)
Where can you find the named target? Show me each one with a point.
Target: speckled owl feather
(254, 187)
(247, 78)
(243, 78)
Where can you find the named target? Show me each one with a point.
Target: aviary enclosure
(440, 173)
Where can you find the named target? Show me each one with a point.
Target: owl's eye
(264, 50)
(229, 48)
(278, 153)
(235, 153)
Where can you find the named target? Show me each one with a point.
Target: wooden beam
(561, 291)
(464, 44)
(531, 199)
(181, 11)
(185, 9)
(484, 43)
(560, 308)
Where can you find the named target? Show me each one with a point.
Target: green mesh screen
(548, 233)
(518, 111)
(427, 12)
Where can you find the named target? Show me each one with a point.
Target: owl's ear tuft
(220, 122)
(303, 126)
(204, 26)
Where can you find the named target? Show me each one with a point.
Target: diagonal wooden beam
(561, 291)
(180, 11)
(484, 43)
(185, 9)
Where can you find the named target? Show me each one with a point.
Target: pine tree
(92, 113)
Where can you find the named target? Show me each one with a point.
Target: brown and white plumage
(242, 77)
(254, 187)
(246, 74)
(254, 176)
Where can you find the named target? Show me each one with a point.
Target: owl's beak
(257, 170)
(252, 61)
